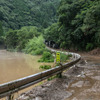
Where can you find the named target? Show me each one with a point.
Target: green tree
(91, 24)
(1, 29)
(17, 39)
(24, 34)
(11, 39)
(78, 24)
(1, 33)
(18, 13)
(35, 46)
(51, 33)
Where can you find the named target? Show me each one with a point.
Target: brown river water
(14, 65)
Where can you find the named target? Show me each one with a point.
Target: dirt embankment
(95, 52)
(81, 82)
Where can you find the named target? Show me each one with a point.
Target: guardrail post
(10, 97)
(59, 75)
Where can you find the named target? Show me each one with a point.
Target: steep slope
(78, 26)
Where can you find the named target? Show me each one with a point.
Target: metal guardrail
(14, 86)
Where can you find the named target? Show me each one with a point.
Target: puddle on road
(80, 85)
(88, 87)
(92, 59)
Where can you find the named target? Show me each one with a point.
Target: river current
(14, 65)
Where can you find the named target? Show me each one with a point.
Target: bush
(35, 46)
(17, 39)
(46, 57)
(11, 39)
(69, 55)
(45, 67)
(52, 77)
(64, 57)
(89, 46)
(24, 34)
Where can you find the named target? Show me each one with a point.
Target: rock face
(82, 62)
(38, 98)
(95, 51)
(78, 84)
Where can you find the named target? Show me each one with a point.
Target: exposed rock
(78, 84)
(87, 83)
(95, 51)
(38, 98)
(74, 98)
(23, 98)
(96, 77)
(82, 62)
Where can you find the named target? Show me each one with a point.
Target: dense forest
(15, 14)
(25, 17)
(78, 26)
(73, 24)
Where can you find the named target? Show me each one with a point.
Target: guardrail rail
(14, 86)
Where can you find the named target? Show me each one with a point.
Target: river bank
(78, 83)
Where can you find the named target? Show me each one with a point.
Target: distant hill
(17, 13)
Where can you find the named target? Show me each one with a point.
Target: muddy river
(15, 65)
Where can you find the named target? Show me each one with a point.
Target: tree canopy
(78, 25)
(15, 14)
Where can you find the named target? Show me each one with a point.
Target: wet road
(87, 85)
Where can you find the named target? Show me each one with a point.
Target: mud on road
(81, 82)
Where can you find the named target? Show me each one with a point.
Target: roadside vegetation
(35, 46)
(45, 66)
(46, 57)
(17, 39)
(64, 57)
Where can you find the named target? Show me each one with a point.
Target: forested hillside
(72, 24)
(15, 14)
(78, 26)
